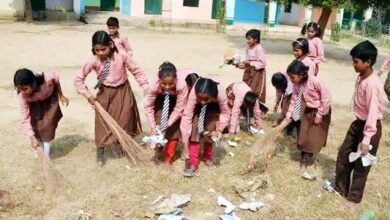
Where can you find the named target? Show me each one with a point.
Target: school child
(316, 46)
(121, 42)
(383, 69)
(310, 103)
(301, 51)
(366, 130)
(165, 104)
(39, 96)
(205, 117)
(284, 90)
(242, 99)
(114, 90)
(254, 65)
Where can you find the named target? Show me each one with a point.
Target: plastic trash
(367, 160)
(253, 206)
(224, 202)
(367, 215)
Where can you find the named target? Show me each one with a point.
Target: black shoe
(100, 157)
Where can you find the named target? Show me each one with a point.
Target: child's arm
(257, 116)
(384, 66)
(373, 102)
(79, 81)
(149, 110)
(127, 46)
(278, 99)
(186, 120)
(181, 100)
(224, 116)
(57, 84)
(25, 120)
(138, 74)
(320, 52)
(325, 102)
(235, 114)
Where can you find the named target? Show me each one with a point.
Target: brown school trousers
(353, 187)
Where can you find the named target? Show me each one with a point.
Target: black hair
(103, 38)
(24, 77)
(365, 51)
(303, 44)
(167, 69)
(112, 22)
(191, 79)
(208, 86)
(313, 25)
(254, 33)
(298, 68)
(250, 99)
(279, 81)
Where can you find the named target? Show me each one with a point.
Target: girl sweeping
(39, 96)
(301, 51)
(241, 98)
(284, 90)
(316, 46)
(114, 90)
(165, 104)
(205, 116)
(254, 65)
(311, 103)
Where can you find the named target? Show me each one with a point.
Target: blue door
(249, 11)
(125, 7)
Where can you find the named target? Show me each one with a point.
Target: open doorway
(102, 5)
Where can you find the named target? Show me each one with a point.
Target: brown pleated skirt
(256, 80)
(285, 105)
(172, 132)
(212, 117)
(312, 138)
(45, 116)
(120, 103)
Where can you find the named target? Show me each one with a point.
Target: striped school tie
(298, 105)
(165, 114)
(202, 115)
(103, 75)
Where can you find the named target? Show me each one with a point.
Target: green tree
(328, 5)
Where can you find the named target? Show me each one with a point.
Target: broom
(131, 148)
(262, 148)
(52, 178)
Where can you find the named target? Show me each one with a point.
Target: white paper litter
(255, 131)
(232, 143)
(367, 160)
(224, 202)
(253, 206)
(233, 216)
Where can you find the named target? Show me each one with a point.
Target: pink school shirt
(316, 50)
(186, 119)
(309, 63)
(236, 99)
(315, 96)
(368, 105)
(119, 62)
(122, 43)
(385, 65)
(181, 92)
(256, 57)
(279, 93)
(51, 80)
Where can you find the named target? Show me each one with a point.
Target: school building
(237, 11)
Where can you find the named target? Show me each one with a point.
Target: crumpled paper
(231, 216)
(164, 205)
(367, 159)
(253, 206)
(255, 131)
(222, 201)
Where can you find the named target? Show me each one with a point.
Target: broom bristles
(51, 176)
(262, 147)
(132, 149)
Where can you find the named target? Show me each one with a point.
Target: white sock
(46, 148)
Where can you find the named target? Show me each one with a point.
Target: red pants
(169, 150)
(194, 149)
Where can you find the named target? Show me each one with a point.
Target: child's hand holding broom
(34, 142)
(64, 101)
(91, 100)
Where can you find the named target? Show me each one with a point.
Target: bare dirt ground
(123, 192)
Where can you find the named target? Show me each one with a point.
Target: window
(287, 8)
(191, 3)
